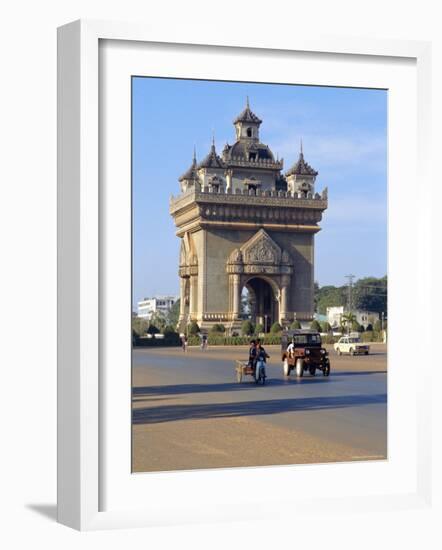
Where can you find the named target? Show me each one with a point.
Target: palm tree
(347, 321)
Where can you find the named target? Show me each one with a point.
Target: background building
(149, 306)
(364, 318)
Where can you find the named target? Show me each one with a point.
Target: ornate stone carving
(259, 255)
(236, 257)
(261, 249)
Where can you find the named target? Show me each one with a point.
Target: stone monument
(245, 224)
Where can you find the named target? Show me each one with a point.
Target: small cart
(242, 368)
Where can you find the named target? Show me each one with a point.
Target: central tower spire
(247, 124)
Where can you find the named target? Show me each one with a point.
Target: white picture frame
(83, 399)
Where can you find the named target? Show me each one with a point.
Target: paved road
(181, 397)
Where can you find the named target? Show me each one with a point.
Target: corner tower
(242, 223)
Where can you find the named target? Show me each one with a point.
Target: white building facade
(364, 318)
(147, 307)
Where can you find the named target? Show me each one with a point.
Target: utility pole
(349, 296)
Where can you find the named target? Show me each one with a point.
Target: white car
(351, 345)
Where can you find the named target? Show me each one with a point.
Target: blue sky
(344, 134)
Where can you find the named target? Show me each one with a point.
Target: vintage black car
(305, 353)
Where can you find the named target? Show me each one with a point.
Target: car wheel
(312, 371)
(299, 368)
(366, 353)
(286, 367)
(326, 371)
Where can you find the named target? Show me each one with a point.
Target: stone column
(236, 296)
(283, 300)
(182, 298)
(193, 297)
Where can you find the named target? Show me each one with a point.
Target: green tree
(295, 325)
(329, 296)
(347, 321)
(159, 320)
(326, 327)
(370, 294)
(259, 328)
(247, 328)
(275, 328)
(139, 326)
(174, 314)
(314, 325)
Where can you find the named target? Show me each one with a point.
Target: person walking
(184, 342)
(203, 342)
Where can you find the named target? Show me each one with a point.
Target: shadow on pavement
(247, 384)
(356, 373)
(169, 413)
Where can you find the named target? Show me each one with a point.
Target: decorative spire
(212, 160)
(247, 115)
(190, 173)
(301, 167)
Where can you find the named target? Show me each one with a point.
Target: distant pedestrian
(204, 342)
(184, 342)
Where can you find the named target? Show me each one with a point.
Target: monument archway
(264, 298)
(265, 269)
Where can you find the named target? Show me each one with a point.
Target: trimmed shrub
(247, 328)
(377, 326)
(168, 329)
(217, 339)
(193, 328)
(259, 329)
(152, 329)
(367, 336)
(171, 340)
(369, 328)
(314, 325)
(295, 325)
(275, 328)
(218, 328)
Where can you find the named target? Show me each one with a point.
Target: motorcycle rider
(261, 358)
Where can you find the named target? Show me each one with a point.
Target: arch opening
(262, 299)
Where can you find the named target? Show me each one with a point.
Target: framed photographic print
(229, 216)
